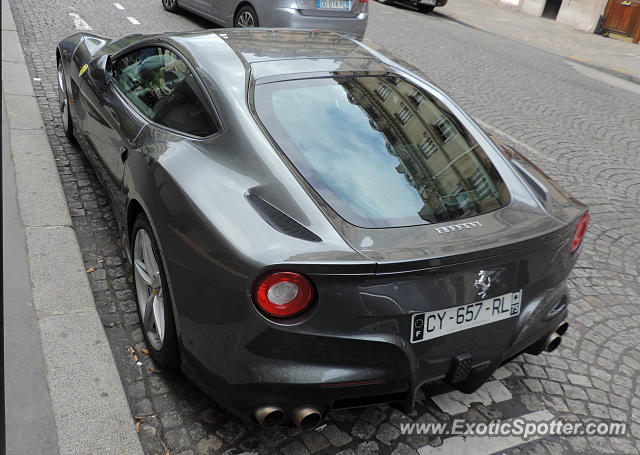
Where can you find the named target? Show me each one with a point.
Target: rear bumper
(244, 399)
(248, 364)
(373, 385)
(292, 18)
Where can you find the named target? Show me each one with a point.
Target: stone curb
(89, 405)
(622, 75)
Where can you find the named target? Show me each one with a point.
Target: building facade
(619, 17)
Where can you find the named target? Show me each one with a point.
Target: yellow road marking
(615, 68)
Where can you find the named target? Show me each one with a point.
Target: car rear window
(379, 150)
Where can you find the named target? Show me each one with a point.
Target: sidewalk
(30, 427)
(615, 57)
(62, 387)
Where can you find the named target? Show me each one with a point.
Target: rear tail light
(579, 231)
(364, 1)
(283, 294)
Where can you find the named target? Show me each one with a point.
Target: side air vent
(280, 221)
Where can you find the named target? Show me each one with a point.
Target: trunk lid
(516, 227)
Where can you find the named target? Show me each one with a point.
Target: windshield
(379, 150)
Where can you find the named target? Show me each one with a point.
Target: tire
(153, 296)
(425, 8)
(246, 17)
(63, 100)
(171, 5)
(384, 1)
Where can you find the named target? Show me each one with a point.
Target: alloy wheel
(62, 98)
(169, 3)
(149, 289)
(246, 19)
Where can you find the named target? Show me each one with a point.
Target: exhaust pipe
(562, 328)
(552, 342)
(306, 418)
(269, 416)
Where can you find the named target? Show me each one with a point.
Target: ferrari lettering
(458, 227)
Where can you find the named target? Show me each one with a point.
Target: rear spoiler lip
(555, 236)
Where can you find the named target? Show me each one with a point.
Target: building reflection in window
(379, 150)
(437, 155)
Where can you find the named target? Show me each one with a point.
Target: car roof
(272, 52)
(260, 44)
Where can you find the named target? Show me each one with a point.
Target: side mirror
(100, 71)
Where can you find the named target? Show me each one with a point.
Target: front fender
(68, 46)
(65, 52)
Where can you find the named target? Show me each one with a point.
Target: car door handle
(124, 154)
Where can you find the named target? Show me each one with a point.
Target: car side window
(161, 86)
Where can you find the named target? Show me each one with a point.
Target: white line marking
(79, 22)
(133, 20)
(484, 445)
(118, 5)
(457, 402)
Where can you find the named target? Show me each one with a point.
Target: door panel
(622, 16)
(209, 8)
(109, 127)
(222, 10)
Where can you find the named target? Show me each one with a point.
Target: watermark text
(518, 427)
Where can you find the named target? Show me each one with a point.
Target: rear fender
(557, 202)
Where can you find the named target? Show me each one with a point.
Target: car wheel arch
(241, 5)
(134, 209)
(59, 59)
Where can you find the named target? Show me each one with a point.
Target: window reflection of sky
(352, 158)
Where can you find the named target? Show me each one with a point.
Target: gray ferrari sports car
(311, 223)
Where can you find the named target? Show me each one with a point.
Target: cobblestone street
(582, 131)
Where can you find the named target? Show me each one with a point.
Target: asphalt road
(581, 127)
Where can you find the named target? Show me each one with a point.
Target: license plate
(434, 324)
(333, 4)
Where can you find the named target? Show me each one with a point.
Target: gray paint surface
(214, 244)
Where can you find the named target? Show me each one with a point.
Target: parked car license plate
(434, 324)
(333, 4)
